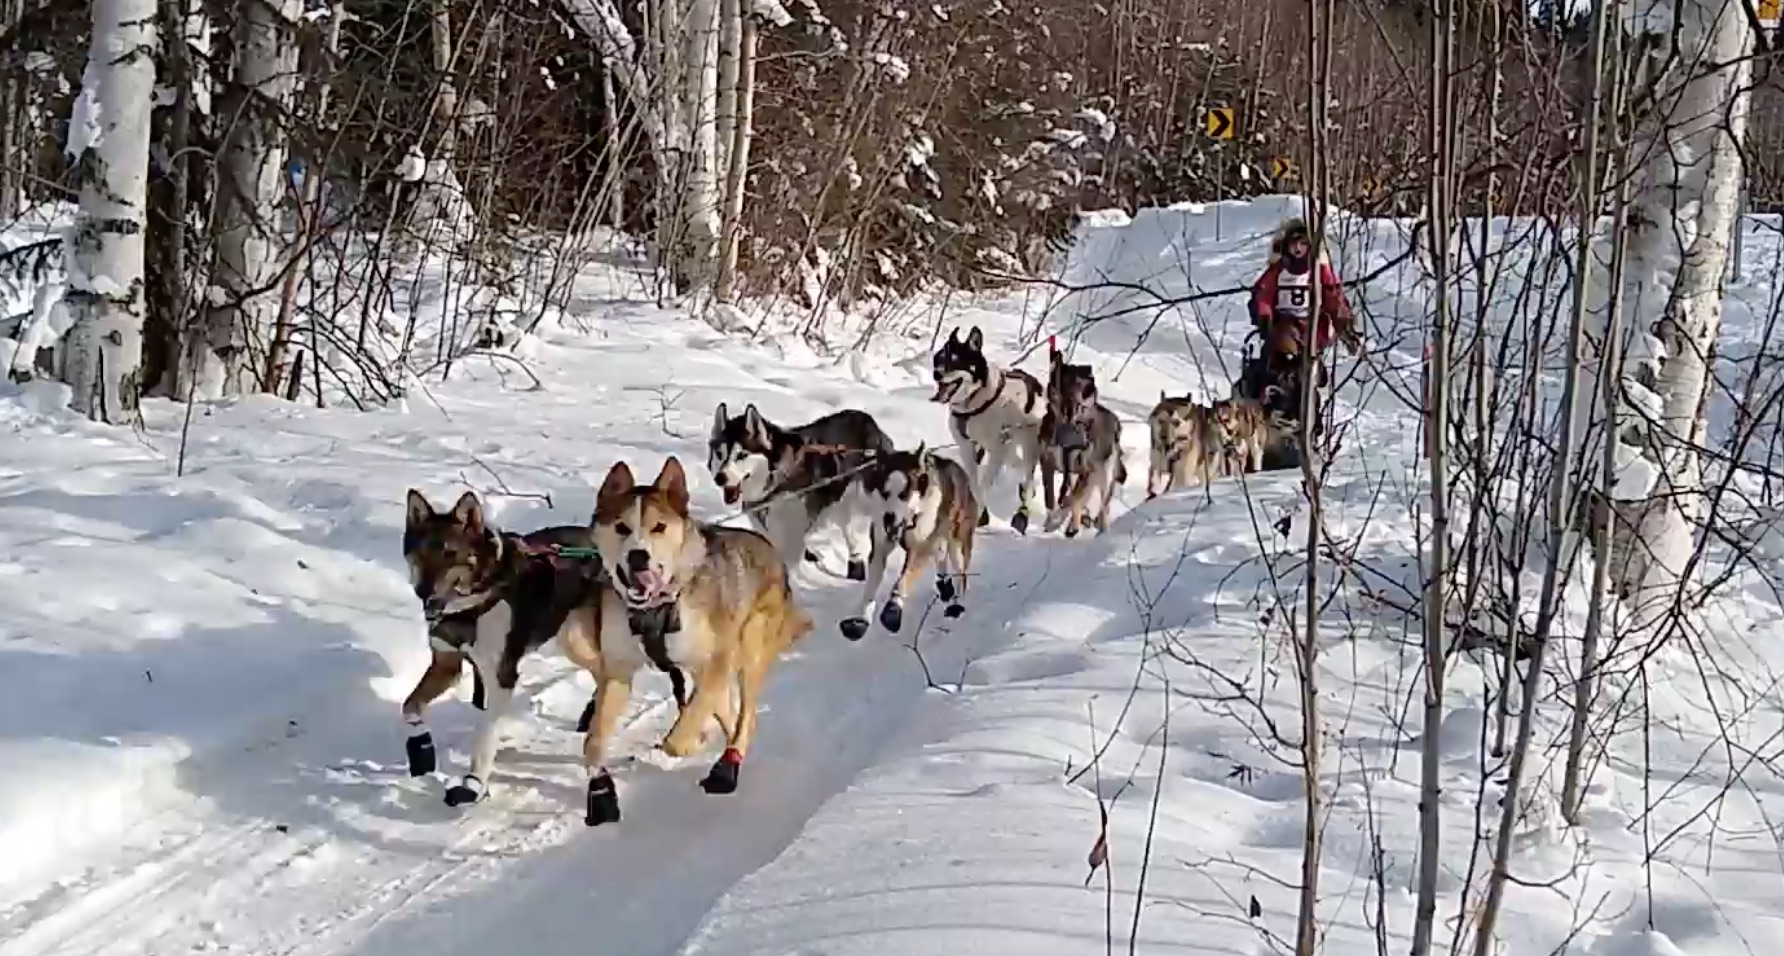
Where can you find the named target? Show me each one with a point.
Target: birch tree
(1649, 310)
(1686, 156)
(244, 302)
(669, 74)
(108, 147)
(737, 120)
(440, 211)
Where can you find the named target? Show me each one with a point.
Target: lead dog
(749, 455)
(995, 417)
(492, 598)
(722, 608)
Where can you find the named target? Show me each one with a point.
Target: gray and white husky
(995, 417)
(751, 459)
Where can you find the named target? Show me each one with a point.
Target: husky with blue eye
(923, 503)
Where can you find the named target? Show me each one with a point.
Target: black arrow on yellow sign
(1282, 167)
(1218, 122)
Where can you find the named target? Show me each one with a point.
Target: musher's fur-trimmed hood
(1280, 239)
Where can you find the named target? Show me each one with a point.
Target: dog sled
(1281, 305)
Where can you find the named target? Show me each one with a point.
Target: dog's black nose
(637, 561)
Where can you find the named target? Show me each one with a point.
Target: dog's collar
(996, 393)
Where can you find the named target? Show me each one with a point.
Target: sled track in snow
(302, 847)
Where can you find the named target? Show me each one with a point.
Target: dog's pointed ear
(672, 481)
(719, 418)
(975, 340)
(1161, 395)
(468, 512)
(923, 453)
(618, 484)
(954, 335)
(418, 510)
(754, 424)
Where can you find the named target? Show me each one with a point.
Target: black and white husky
(995, 418)
(752, 460)
(921, 502)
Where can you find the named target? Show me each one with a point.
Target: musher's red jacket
(1334, 311)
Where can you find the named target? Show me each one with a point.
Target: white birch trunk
(700, 198)
(109, 146)
(670, 75)
(730, 36)
(441, 212)
(738, 159)
(244, 302)
(1682, 221)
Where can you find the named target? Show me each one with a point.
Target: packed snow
(200, 666)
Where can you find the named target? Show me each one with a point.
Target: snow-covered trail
(279, 818)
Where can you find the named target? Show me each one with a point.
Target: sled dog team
(645, 584)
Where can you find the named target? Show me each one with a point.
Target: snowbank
(199, 674)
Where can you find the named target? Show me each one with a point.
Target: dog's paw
(944, 588)
(603, 800)
(723, 776)
(984, 517)
(1071, 530)
(892, 616)
(682, 742)
(587, 719)
(1054, 520)
(953, 611)
(465, 792)
(422, 756)
(857, 570)
(854, 628)
(1019, 522)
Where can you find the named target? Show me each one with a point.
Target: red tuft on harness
(1052, 344)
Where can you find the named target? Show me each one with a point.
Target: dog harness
(653, 625)
(1003, 379)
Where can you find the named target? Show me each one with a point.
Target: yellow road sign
(1282, 167)
(1371, 185)
(1770, 9)
(1218, 122)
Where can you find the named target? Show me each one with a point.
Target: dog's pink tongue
(651, 582)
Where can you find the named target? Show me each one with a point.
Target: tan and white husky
(1185, 445)
(715, 601)
(1245, 429)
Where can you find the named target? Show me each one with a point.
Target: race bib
(1293, 294)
